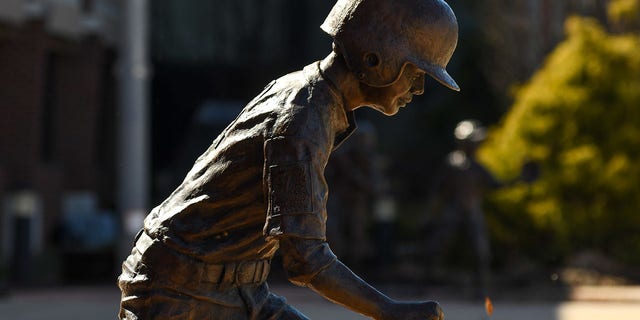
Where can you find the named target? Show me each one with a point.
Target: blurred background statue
(456, 204)
(351, 175)
(362, 205)
(456, 201)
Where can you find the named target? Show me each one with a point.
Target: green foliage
(625, 14)
(578, 118)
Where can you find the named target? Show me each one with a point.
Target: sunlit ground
(102, 303)
(506, 311)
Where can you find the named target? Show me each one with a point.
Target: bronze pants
(159, 283)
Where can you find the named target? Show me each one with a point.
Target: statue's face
(390, 99)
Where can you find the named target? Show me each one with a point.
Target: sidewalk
(98, 303)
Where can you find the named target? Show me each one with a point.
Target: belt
(181, 269)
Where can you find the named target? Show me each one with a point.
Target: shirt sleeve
(296, 188)
(303, 259)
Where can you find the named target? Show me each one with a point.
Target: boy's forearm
(340, 285)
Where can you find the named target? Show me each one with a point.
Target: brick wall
(21, 80)
(51, 103)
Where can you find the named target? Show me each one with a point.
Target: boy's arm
(310, 263)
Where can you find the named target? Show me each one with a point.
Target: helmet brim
(441, 75)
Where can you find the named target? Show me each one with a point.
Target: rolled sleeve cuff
(304, 259)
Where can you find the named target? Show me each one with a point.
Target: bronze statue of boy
(205, 252)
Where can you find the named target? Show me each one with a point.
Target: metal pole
(133, 140)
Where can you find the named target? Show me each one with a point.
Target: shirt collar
(349, 115)
(342, 136)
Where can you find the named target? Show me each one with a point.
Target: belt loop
(257, 271)
(266, 266)
(138, 236)
(229, 274)
(239, 276)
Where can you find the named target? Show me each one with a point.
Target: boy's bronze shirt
(262, 178)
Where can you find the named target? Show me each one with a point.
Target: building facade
(56, 126)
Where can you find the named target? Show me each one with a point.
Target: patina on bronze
(205, 252)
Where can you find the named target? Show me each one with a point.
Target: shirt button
(276, 209)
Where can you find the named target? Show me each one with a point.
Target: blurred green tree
(578, 118)
(624, 15)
